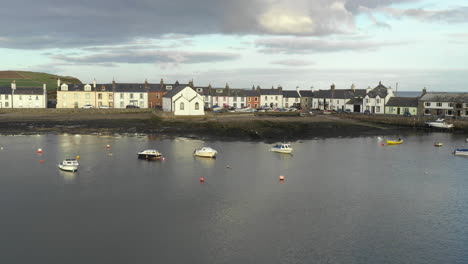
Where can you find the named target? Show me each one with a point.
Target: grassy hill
(28, 79)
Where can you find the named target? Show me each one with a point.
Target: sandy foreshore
(234, 126)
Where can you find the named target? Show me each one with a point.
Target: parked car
(132, 106)
(87, 106)
(407, 114)
(367, 112)
(104, 107)
(348, 111)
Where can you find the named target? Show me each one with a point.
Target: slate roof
(291, 94)
(340, 93)
(75, 87)
(130, 88)
(355, 101)
(237, 92)
(403, 101)
(22, 90)
(306, 93)
(270, 92)
(251, 93)
(445, 97)
(380, 90)
(224, 92)
(205, 90)
(174, 91)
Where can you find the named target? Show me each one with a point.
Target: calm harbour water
(344, 200)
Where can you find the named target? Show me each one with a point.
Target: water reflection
(68, 177)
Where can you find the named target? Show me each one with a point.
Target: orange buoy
(202, 179)
(39, 150)
(281, 178)
(41, 161)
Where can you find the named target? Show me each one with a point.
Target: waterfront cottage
(75, 95)
(237, 98)
(156, 93)
(23, 97)
(272, 98)
(338, 99)
(292, 98)
(130, 94)
(252, 97)
(183, 101)
(402, 106)
(376, 99)
(205, 92)
(444, 104)
(306, 99)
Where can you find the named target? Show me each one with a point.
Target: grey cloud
(308, 45)
(453, 15)
(145, 57)
(356, 6)
(293, 63)
(48, 24)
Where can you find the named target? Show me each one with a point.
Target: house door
(1, 105)
(398, 110)
(357, 108)
(458, 112)
(373, 109)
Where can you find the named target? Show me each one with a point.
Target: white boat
(149, 154)
(69, 165)
(282, 148)
(205, 152)
(461, 152)
(439, 123)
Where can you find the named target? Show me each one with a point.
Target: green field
(35, 79)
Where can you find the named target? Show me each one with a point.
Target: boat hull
(149, 157)
(284, 151)
(205, 154)
(68, 168)
(391, 142)
(461, 152)
(439, 125)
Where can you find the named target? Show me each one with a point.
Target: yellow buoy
(78, 157)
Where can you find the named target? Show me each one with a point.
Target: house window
(242, 99)
(427, 112)
(219, 90)
(450, 112)
(37, 97)
(235, 99)
(206, 99)
(121, 96)
(131, 96)
(6, 96)
(248, 99)
(367, 101)
(256, 99)
(87, 96)
(390, 109)
(378, 108)
(378, 101)
(266, 97)
(7, 105)
(276, 98)
(235, 105)
(141, 96)
(199, 90)
(141, 104)
(158, 96)
(181, 106)
(439, 104)
(427, 104)
(168, 87)
(197, 106)
(110, 96)
(367, 107)
(122, 104)
(21, 97)
(256, 105)
(466, 111)
(450, 104)
(99, 96)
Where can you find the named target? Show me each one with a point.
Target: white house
(292, 98)
(271, 97)
(444, 104)
(23, 97)
(130, 94)
(376, 98)
(183, 101)
(336, 99)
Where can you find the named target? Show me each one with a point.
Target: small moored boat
(438, 144)
(282, 148)
(150, 154)
(394, 142)
(69, 165)
(205, 152)
(461, 152)
(439, 123)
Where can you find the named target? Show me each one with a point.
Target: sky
(308, 44)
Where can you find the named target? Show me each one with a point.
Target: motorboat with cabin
(149, 154)
(439, 123)
(461, 152)
(282, 148)
(206, 152)
(69, 165)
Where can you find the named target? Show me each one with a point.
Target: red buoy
(39, 150)
(108, 146)
(383, 144)
(202, 179)
(41, 161)
(281, 178)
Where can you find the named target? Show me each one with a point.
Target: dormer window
(87, 88)
(64, 87)
(199, 90)
(219, 90)
(168, 87)
(103, 88)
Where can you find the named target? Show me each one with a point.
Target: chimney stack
(94, 83)
(58, 82)
(332, 87)
(13, 84)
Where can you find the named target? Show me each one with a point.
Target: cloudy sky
(305, 43)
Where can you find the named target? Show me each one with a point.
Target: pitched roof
(291, 94)
(380, 90)
(340, 93)
(355, 101)
(251, 93)
(306, 93)
(445, 97)
(403, 101)
(5, 90)
(270, 92)
(130, 88)
(174, 91)
(29, 90)
(219, 92)
(237, 92)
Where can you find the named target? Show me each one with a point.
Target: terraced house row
(188, 99)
